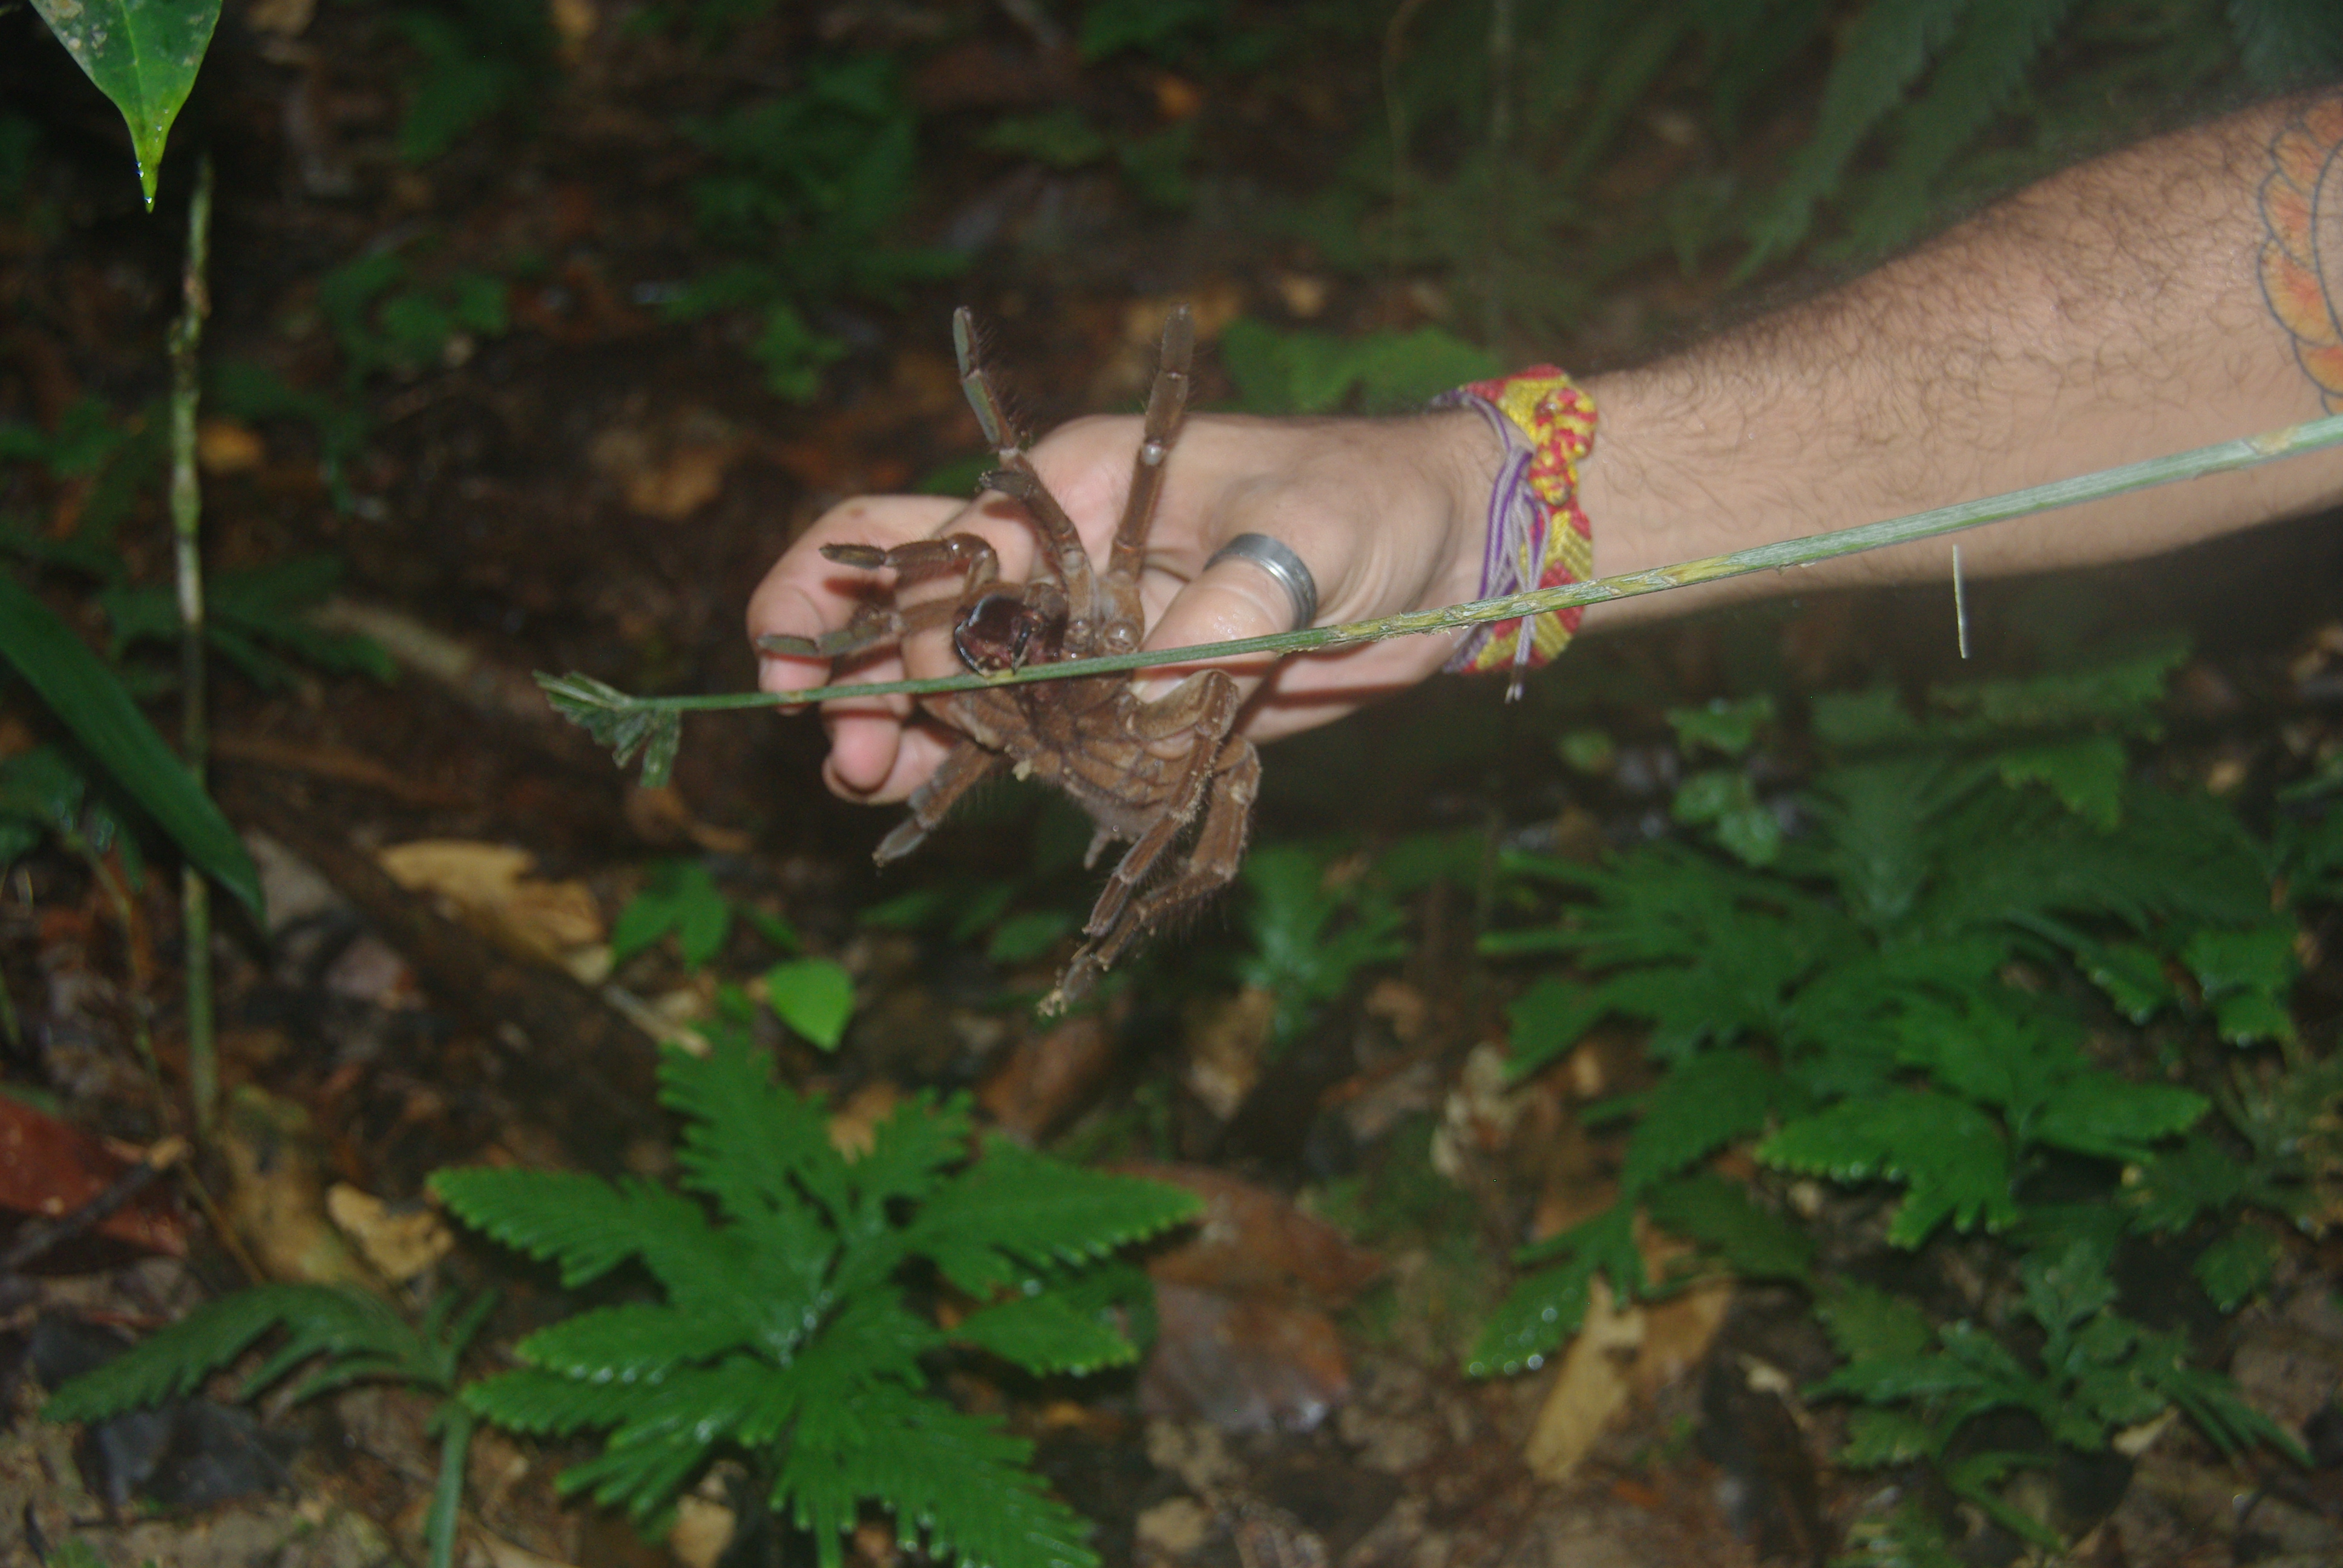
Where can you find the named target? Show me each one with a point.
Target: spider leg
(964, 767)
(1167, 402)
(1062, 542)
(880, 625)
(1204, 704)
(1234, 780)
(1001, 432)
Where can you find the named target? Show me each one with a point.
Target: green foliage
(806, 188)
(813, 997)
(1312, 931)
(1903, 999)
(615, 721)
(784, 1326)
(387, 319)
(244, 389)
(1299, 372)
(2095, 1370)
(473, 57)
(143, 56)
(89, 699)
(678, 898)
(43, 794)
(349, 1336)
(353, 1337)
(246, 613)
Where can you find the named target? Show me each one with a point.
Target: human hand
(1388, 515)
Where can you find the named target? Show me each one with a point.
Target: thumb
(1234, 596)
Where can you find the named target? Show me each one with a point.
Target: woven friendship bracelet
(1538, 533)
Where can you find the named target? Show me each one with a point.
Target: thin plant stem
(195, 730)
(576, 693)
(448, 1493)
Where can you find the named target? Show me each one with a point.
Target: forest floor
(575, 480)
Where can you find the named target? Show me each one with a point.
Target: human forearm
(2112, 313)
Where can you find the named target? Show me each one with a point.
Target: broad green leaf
(90, 701)
(142, 55)
(815, 997)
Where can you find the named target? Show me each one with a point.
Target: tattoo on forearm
(2302, 260)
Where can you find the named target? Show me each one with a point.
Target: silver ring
(1275, 558)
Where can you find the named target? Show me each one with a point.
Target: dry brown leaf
(1590, 1387)
(1225, 1050)
(1252, 1239)
(1243, 1362)
(229, 446)
(1049, 1076)
(400, 1242)
(275, 1194)
(854, 1126)
(491, 891)
(1620, 1354)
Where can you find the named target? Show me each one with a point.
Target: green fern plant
(1900, 997)
(349, 1336)
(785, 1327)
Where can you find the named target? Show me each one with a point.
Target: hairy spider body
(1145, 772)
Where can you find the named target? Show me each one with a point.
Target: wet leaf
(92, 702)
(142, 55)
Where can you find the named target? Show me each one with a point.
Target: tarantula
(1144, 771)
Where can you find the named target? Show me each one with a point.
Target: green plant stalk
(2224, 457)
(448, 1493)
(195, 724)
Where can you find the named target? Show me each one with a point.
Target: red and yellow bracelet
(1538, 533)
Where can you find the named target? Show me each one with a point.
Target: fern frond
(2210, 1400)
(2096, 1112)
(1698, 1108)
(1886, 49)
(757, 1147)
(872, 1340)
(1754, 1242)
(1546, 1308)
(957, 1479)
(1981, 72)
(911, 1149)
(1869, 1324)
(1013, 1203)
(167, 1365)
(1045, 1335)
(638, 1343)
(585, 1226)
(548, 1403)
(1951, 1155)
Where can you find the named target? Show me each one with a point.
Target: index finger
(806, 595)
